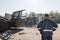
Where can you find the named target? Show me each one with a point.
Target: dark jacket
(47, 24)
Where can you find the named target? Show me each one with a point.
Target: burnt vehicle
(15, 21)
(30, 21)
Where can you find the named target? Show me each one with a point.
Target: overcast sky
(30, 5)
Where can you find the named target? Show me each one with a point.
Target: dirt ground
(29, 33)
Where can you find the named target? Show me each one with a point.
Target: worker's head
(46, 16)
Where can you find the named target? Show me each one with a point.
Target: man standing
(46, 28)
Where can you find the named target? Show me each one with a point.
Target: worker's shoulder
(47, 20)
(51, 20)
(42, 21)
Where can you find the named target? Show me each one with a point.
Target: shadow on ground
(8, 33)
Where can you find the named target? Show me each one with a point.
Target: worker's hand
(54, 29)
(39, 29)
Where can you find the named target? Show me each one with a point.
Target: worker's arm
(39, 24)
(39, 27)
(55, 26)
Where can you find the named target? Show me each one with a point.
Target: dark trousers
(46, 37)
